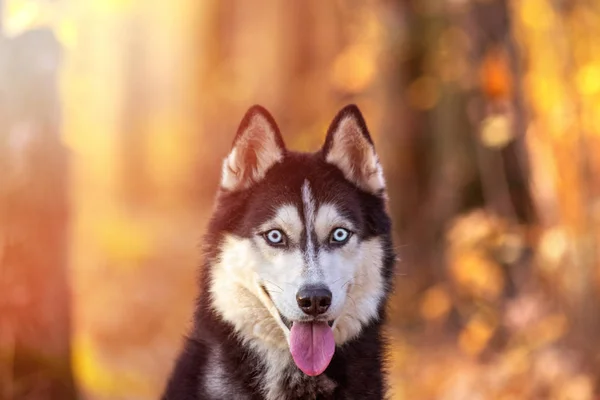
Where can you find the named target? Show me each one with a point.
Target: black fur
(357, 367)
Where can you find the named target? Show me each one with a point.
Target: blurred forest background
(114, 118)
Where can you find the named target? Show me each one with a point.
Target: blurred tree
(458, 134)
(135, 185)
(34, 292)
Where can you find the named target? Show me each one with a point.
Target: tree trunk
(34, 291)
(458, 72)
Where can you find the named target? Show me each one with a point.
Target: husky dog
(298, 267)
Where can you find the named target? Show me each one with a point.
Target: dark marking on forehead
(241, 212)
(310, 245)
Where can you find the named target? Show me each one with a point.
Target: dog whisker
(277, 286)
(272, 283)
(275, 291)
(337, 280)
(352, 280)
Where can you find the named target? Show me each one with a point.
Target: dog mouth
(311, 341)
(289, 323)
(285, 321)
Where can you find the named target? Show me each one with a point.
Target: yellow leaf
(536, 14)
(552, 249)
(473, 339)
(477, 275)
(435, 303)
(588, 79)
(496, 131)
(100, 379)
(354, 69)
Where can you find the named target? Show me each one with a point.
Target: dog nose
(314, 300)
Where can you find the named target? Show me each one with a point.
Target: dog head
(302, 238)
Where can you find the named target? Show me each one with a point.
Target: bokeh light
(115, 116)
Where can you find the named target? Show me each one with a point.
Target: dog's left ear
(257, 146)
(349, 147)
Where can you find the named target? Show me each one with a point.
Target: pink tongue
(312, 346)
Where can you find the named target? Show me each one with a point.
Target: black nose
(314, 300)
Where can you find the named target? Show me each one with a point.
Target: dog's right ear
(257, 146)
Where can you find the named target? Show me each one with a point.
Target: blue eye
(275, 237)
(339, 236)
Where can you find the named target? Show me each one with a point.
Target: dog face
(301, 238)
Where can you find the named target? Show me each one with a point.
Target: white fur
(308, 205)
(260, 138)
(365, 292)
(237, 295)
(366, 172)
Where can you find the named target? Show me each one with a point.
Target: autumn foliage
(486, 115)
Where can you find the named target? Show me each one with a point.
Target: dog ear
(349, 147)
(257, 146)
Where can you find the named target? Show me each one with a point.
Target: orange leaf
(495, 75)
